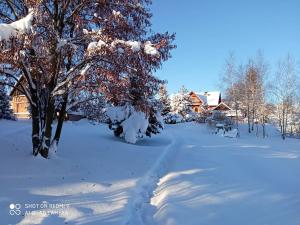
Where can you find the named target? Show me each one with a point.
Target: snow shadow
(85, 202)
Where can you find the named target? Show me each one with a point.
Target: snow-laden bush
(191, 116)
(173, 118)
(221, 125)
(135, 126)
(228, 133)
(218, 117)
(132, 125)
(202, 116)
(156, 123)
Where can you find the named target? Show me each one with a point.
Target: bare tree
(284, 89)
(260, 108)
(230, 81)
(245, 89)
(253, 90)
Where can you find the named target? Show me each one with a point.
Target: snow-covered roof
(210, 98)
(224, 104)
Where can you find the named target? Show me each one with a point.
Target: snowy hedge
(133, 125)
(173, 118)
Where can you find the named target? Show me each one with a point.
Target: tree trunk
(61, 119)
(286, 122)
(35, 130)
(35, 124)
(257, 130)
(264, 127)
(237, 120)
(283, 124)
(44, 150)
(248, 117)
(253, 118)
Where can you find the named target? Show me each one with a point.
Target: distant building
(208, 101)
(20, 104)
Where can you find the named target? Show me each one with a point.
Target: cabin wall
(20, 105)
(197, 103)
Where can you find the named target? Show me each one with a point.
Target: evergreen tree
(5, 110)
(155, 119)
(139, 114)
(165, 100)
(181, 102)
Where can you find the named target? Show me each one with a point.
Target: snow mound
(134, 123)
(231, 133)
(117, 113)
(135, 126)
(172, 118)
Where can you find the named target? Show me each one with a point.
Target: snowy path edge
(139, 207)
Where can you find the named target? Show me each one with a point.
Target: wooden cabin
(19, 102)
(197, 103)
(208, 101)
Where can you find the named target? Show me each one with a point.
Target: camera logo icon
(15, 209)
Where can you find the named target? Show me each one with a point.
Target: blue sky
(207, 30)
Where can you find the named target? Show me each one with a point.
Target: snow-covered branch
(21, 26)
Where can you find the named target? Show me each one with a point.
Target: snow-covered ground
(184, 176)
(218, 180)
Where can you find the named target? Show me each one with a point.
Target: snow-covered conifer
(5, 110)
(128, 123)
(181, 102)
(165, 100)
(156, 122)
(140, 109)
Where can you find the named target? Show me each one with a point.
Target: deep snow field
(184, 176)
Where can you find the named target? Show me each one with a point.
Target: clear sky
(207, 30)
